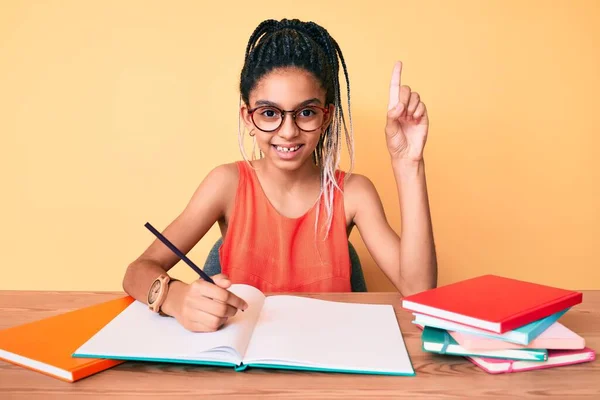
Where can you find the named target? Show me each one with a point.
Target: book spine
(241, 367)
(95, 367)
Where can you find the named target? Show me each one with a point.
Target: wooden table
(436, 376)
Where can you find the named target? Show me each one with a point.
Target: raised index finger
(395, 84)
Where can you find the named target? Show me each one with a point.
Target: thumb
(394, 113)
(222, 280)
(392, 116)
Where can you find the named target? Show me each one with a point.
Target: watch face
(153, 295)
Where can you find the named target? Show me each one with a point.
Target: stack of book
(500, 324)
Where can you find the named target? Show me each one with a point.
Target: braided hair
(293, 43)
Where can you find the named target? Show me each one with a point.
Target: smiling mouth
(285, 149)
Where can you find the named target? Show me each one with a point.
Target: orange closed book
(47, 345)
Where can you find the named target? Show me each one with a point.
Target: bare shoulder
(359, 192)
(217, 188)
(224, 175)
(358, 185)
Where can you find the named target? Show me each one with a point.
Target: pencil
(178, 252)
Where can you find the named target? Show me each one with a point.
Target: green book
(279, 331)
(440, 341)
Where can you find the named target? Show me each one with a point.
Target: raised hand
(407, 120)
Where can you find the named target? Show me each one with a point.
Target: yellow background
(111, 113)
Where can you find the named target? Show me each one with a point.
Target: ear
(329, 118)
(246, 116)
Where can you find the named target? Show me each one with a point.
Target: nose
(288, 129)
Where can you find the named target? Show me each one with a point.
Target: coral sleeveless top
(275, 253)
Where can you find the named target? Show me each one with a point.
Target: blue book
(522, 335)
(280, 331)
(439, 341)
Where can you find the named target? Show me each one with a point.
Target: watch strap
(160, 311)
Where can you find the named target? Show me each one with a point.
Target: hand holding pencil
(204, 305)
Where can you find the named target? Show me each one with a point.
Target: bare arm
(207, 205)
(410, 263)
(417, 248)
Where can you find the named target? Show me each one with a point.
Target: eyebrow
(270, 103)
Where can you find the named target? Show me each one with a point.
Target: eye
(307, 112)
(269, 113)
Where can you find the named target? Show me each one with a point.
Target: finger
(420, 111)
(196, 327)
(392, 124)
(413, 102)
(394, 113)
(404, 97)
(222, 280)
(200, 321)
(203, 288)
(395, 85)
(213, 307)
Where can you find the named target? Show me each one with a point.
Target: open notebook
(287, 332)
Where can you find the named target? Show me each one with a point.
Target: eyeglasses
(306, 118)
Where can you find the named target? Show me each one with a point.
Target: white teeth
(287, 149)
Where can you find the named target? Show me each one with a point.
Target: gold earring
(253, 148)
(250, 133)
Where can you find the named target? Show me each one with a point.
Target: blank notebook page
(317, 333)
(139, 333)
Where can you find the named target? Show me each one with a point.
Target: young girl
(285, 217)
